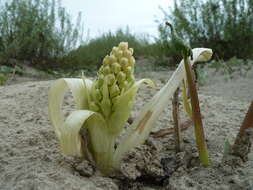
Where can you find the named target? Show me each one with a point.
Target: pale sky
(101, 16)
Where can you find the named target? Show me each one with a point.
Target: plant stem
(196, 116)
(187, 105)
(85, 145)
(176, 118)
(244, 138)
(248, 120)
(104, 160)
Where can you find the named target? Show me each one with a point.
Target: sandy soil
(30, 158)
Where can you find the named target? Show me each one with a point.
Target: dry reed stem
(176, 118)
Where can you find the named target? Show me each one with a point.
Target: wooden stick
(176, 118)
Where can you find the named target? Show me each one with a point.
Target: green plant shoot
(104, 105)
(186, 52)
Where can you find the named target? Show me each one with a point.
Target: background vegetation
(92, 53)
(41, 33)
(38, 31)
(226, 26)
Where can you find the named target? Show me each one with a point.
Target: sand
(30, 156)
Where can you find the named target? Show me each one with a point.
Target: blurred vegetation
(38, 31)
(226, 26)
(232, 67)
(3, 78)
(41, 33)
(91, 54)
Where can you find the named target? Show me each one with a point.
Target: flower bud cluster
(116, 73)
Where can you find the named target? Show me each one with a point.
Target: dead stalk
(170, 131)
(244, 137)
(176, 118)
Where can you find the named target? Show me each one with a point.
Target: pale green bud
(128, 71)
(106, 107)
(100, 80)
(131, 61)
(95, 92)
(114, 90)
(98, 95)
(124, 84)
(114, 99)
(124, 63)
(123, 45)
(94, 107)
(105, 104)
(114, 102)
(100, 71)
(127, 54)
(119, 54)
(116, 67)
(111, 79)
(121, 76)
(131, 50)
(106, 61)
(115, 50)
(112, 59)
(106, 70)
(130, 78)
